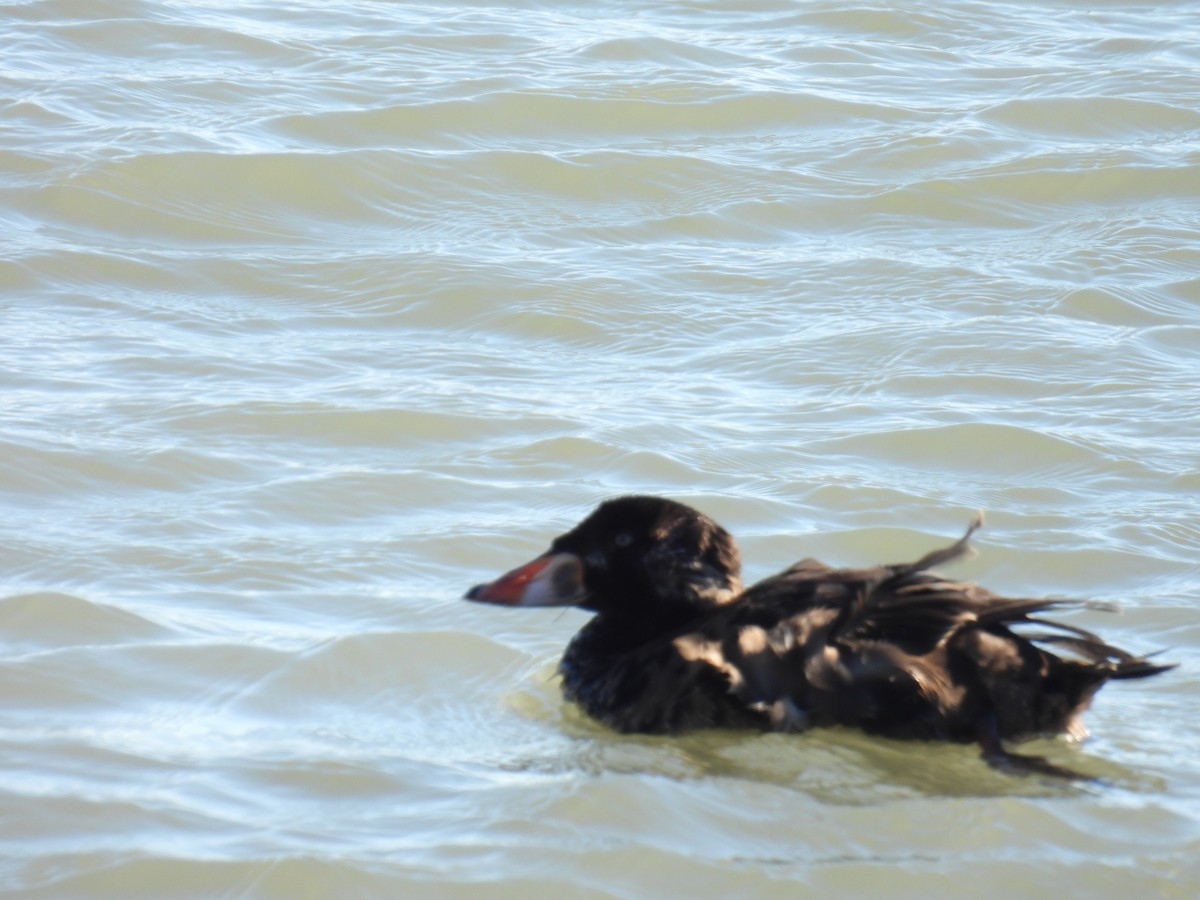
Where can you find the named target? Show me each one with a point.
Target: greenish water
(313, 316)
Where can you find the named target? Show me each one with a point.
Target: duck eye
(624, 539)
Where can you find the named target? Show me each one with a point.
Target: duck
(677, 643)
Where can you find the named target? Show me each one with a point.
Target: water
(315, 315)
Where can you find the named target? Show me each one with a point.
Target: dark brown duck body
(677, 643)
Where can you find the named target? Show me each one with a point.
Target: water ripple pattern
(316, 314)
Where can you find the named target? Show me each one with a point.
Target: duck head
(630, 553)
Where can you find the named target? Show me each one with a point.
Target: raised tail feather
(961, 547)
(920, 606)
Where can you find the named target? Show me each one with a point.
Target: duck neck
(616, 632)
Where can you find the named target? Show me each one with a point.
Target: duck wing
(900, 650)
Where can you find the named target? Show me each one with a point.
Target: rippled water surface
(316, 314)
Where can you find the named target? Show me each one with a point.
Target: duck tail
(1109, 661)
(1141, 667)
(1114, 662)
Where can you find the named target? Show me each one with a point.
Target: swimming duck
(677, 643)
